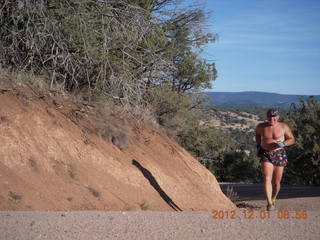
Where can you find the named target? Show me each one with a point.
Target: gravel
(87, 225)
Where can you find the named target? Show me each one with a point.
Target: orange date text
(259, 214)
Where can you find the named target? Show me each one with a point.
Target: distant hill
(253, 99)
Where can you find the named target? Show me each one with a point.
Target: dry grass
(94, 192)
(144, 206)
(3, 119)
(107, 125)
(71, 171)
(251, 121)
(232, 195)
(39, 82)
(129, 208)
(33, 164)
(14, 196)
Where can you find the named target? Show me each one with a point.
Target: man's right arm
(289, 138)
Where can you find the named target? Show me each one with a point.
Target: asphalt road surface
(289, 197)
(297, 217)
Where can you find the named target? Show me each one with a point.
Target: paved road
(255, 191)
(297, 217)
(91, 225)
(290, 197)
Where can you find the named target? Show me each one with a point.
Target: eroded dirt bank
(56, 155)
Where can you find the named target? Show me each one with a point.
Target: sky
(265, 45)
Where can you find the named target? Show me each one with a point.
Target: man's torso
(270, 135)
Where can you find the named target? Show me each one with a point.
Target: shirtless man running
(271, 138)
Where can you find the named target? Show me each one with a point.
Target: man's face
(272, 119)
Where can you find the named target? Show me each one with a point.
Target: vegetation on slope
(304, 167)
(142, 55)
(120, 50)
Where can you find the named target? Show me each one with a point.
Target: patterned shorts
(277, 157)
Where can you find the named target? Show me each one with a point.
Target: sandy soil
(60, 154)
(297, 217)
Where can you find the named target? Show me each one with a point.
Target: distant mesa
(253, 99)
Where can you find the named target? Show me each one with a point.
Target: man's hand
(273, 146)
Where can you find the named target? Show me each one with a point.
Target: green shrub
(304, 156)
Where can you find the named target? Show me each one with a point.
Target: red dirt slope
(51, 158)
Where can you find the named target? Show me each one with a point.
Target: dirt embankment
(54, 155)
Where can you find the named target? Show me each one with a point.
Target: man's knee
(267, 179)
(276, 184)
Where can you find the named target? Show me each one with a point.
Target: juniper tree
(304, 156)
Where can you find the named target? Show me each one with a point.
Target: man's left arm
(289, 138)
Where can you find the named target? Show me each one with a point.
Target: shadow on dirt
(148, 175)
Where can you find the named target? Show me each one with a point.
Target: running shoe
(271, 207)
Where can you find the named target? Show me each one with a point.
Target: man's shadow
(148, 175)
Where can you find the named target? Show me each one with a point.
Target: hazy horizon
(245, 91)
(264, 45)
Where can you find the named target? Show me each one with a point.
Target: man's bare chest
(270, 132)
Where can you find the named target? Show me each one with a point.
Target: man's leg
(277, 176)
(267, 170)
